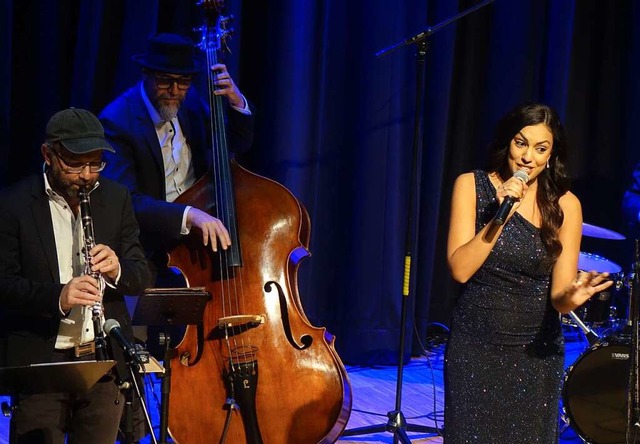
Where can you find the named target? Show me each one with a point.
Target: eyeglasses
(166, 82)
(78, 167)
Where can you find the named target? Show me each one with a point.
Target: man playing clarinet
(49, 297)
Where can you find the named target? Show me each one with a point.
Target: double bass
(255, 370)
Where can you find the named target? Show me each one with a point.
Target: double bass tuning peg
(216, 36)
(224, 21)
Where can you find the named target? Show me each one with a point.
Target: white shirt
(176, 154)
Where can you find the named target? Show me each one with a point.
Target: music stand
(166, 307)
(68, 377)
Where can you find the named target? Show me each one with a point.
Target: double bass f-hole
(306, 340)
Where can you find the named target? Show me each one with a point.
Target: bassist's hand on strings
(212, 228)
(225, 86)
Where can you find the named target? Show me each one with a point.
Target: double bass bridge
(240, 321)
(236, 324)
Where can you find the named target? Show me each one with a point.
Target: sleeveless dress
(505, 355)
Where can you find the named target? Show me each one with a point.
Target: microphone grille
(521, 175)
(110, 324)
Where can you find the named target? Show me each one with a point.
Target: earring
(547, 163)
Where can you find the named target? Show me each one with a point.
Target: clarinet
(97, 315)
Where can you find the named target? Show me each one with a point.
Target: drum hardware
(592, 336)
(601, 390)
(599, 310)
(628, 281)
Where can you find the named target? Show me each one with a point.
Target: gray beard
(168, 112)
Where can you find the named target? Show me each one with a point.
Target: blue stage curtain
(335, 122)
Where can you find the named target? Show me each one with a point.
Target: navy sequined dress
(505, 355)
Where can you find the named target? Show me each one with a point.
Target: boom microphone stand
(397, 423)
(633, 394)
(131, 390)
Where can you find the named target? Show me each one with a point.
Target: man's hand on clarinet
(105, 261)
(81, 290)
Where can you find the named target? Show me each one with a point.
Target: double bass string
(218, 139)
(231, 297)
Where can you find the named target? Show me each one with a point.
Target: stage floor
(423, 393)
(374, 394)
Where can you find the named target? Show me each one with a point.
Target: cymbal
(599, 232)
(593, 262)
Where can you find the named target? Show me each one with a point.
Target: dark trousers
(88, 418)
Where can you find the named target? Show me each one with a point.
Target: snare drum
(594, 394)
(600, 309)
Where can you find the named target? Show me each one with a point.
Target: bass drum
(594, 394)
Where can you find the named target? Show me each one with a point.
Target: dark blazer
(29, 275)
(138, 163)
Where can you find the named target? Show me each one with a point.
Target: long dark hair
(553, 182)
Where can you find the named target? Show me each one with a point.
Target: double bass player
(254, 322)
(159, 129)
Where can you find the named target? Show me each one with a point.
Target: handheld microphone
(507, 203)
(112, 328)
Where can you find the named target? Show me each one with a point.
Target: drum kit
(595, 392)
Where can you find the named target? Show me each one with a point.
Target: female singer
(505, 355)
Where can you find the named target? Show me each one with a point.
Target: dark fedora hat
(170, 53)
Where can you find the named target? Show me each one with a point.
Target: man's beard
(64, 187)
(168, 111)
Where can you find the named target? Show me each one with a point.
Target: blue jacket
(138, 165)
